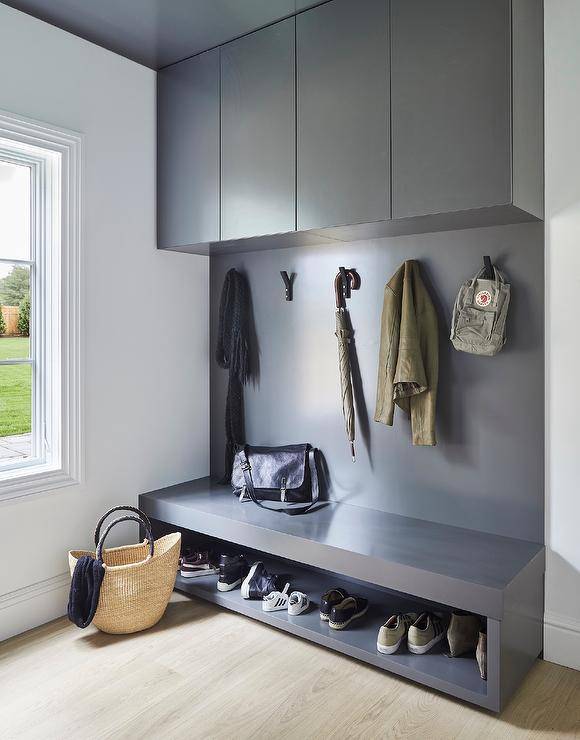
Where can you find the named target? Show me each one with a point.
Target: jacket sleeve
(422, 406)
(389, 346)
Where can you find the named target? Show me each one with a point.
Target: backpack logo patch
(483, 298)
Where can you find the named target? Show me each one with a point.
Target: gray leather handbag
(285, 476)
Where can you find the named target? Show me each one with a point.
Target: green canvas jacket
(409, 354)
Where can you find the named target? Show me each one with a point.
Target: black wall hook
(288, 281)
(488, 268)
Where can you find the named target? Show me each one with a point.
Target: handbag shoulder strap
(247, 471)
(290, 508)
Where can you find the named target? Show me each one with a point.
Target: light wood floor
(206, 673)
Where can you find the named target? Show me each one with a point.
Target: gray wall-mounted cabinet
(188, 152)
(451, 105)
(342, 56)
(305, 4)
(466, 105)
(258, 133)
(355, 119)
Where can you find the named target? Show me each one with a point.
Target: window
(39, 321)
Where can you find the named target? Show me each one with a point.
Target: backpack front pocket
(473, 325)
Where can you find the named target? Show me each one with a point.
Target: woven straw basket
(138, 579)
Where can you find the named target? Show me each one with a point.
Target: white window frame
(54, 156)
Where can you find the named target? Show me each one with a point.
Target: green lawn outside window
(15, 388)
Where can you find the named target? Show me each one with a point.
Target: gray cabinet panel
(188, 152)
(528, 105)
(450, 98)
(258, 133)
(304, 4)
(343, 114)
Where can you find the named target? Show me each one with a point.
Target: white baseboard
(562, 640)
(33, 605)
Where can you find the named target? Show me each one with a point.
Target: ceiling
(159, 32)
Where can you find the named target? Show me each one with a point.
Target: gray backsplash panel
(487, 470)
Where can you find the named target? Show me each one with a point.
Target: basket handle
(99, 552)
(141, 514)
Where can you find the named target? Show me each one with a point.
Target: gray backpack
(479, 315)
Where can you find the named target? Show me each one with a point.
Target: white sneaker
(276, 601)
(298, 603)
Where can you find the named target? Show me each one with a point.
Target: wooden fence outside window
(10, 314)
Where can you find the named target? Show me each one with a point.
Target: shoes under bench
(422, 632)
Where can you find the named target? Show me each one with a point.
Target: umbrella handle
(344, 282)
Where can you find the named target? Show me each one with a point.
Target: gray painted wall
(487, 470)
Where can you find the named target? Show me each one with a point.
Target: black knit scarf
(84, 592)
(232, 354)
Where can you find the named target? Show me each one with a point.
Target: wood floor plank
(203, 672)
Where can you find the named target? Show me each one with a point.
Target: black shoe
(259, 583)
(330, 599)
(343, 614)
(233, 569)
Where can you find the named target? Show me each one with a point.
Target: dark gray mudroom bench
(397, 562)
(366, 133)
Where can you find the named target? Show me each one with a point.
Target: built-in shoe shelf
(459, 676)
(397, 561)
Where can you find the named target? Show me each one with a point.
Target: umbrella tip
(352, 451)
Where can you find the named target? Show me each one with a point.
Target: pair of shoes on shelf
(196, 563)
(259, 583)
(466, 635)
(423, 632)
(295, 603)
(255, 582)
(339, 608)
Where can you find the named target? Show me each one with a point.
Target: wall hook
(288, 282)
(488, 268)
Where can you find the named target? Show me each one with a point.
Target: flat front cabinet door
(188, 152)
(258, 133)
(342, 53)
(450, 99)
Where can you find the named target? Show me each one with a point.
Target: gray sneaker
(425, 633)
(393, 632)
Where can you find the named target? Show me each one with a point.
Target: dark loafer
(344, 613)
(329, 599)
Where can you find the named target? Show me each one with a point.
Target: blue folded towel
(85, 588)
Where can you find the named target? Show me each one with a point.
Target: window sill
(35, 479)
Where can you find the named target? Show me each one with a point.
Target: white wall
(145, 313)
(562, 44)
